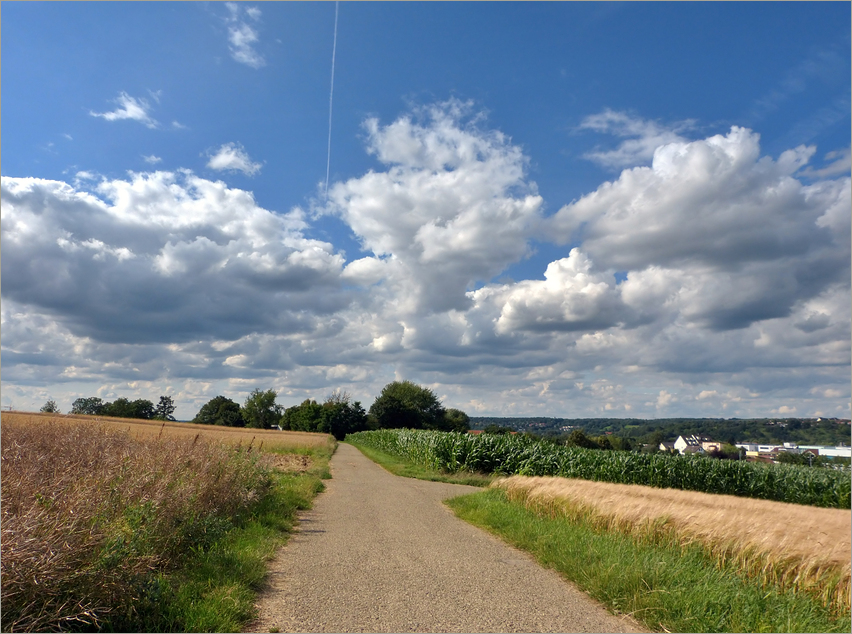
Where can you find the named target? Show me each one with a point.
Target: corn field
(521, 455)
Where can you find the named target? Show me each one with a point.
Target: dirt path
(380, 553)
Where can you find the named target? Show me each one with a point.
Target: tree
(220, 411)
(50, 407)
(578, 438)
(165, 408)
(336, 416)
(340, 417)
(125, 408)
(405, 404)
(91, 406)
(261, 410)
(456, 420)
(304, 417)
(497, 429)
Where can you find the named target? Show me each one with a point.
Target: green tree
(125, 408)
(493, 428)
(303, 417)
(165, 409)
(578, 438)
(403, 404)
(91, 406)
(260, 409)
(50, 407)
(340, 417)
(456, 420)
(220, 411)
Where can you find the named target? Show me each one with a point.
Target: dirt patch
(288, 462)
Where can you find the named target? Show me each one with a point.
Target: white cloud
(644, 138)
(714, 272)
(162, 257)
(129, 108)
(151, 159)
(242, 38)
(841, 163)
(452, 208)
(232, 157)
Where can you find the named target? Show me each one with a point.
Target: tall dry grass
(787, 545)
(91, 514)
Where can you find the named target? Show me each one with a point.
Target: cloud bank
(714, 281)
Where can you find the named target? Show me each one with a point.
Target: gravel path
(381, 553)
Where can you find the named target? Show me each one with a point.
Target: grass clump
(407, 469)
(103, 531)
(666, 585)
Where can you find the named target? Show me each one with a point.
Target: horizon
(567, 210)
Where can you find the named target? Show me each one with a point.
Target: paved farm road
(380, 553)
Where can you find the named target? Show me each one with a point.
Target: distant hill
(804, 431)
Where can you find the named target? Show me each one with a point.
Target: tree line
(401, 404)
(119, 408)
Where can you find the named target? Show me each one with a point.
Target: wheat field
(789, 545)
(272, 439)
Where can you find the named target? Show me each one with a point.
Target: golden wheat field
(271, 439)
(803, 547)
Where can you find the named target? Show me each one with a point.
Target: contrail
(331, 97)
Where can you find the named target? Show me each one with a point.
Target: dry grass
(90, 512)
(271, 439)
(788, 545)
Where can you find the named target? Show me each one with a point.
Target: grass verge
(104, 531)
(665, 586)
(216, 590)
(401, 467)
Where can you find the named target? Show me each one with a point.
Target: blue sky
(563, 209)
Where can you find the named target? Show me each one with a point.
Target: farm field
(519, 455)
(272, 439)
(787, 545)
(134, 526)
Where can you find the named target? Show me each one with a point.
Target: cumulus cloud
(151, 159)
(162, 257)
(642, 137)
(452, 208)
(232, 157)
(242, 38)
(129, 108)
(714, 229)
(715, 277)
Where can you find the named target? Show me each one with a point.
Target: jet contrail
(330, 98)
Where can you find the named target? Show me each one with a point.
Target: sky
(534, 209)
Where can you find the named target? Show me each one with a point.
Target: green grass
(215, 591)
(401, 467)
(662, 585)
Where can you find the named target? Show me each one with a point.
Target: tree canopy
(406, 404)
(261, 410)
(220, 411)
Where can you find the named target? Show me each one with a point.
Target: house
(667, 446)
(695, 444)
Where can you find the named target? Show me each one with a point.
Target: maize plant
(521, 455)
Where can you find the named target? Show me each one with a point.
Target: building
(696, 444)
